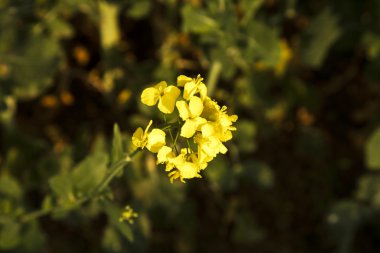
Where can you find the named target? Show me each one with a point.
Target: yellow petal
(199, 122)
(195, 106)
(163, 154)
(183, 109)
(189, 90)
(188, 129)
(208, 130)
(156, 139)
(161, 86)
(222, 148)
(188, 170)
(202, 90)
(150, 96)
(167, 101)
(138, 138)
(182, 80)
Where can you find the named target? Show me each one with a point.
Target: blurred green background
(302, 171)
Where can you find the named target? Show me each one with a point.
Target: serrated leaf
(117, 145)
(10, 187)
(197, 21)
(89, 173)
(372, 151)
(322, 32)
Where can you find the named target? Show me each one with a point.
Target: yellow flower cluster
(202, 123)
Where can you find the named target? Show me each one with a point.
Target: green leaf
(59, 28)
(372, 151)
(258, 173)
(139, 9)
(371, 42)
(264, 42)
(322, 33)
(89, 173)
(250, 8)
(9, 235)
(33, 239)
(245, 134)
(111, 240)
(114, 212)
(245, 230)
(62, 187)
(33, 66)
(10, 187)
(117, 145)
(197, 21)
(369, 189)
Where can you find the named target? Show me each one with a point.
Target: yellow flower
(192, 86)
(190, 113)
(153, 141)
(209, 147)
(164, 94)
(164, 155)
(185, 167)
(156, 140)
(128, 215)
(219, 122)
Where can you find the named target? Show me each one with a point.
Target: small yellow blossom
(192, 86)
(128, 215)
(153, 141)
(190, 113)
(164, 94)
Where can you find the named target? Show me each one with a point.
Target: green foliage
(9, 187)
(373, 151)
(301, 173)
(320, 40)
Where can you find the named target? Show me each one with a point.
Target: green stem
(113, 171)
(213, 76)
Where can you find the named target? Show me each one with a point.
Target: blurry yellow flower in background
(286, 55)
(128, 215)
(164, 94)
